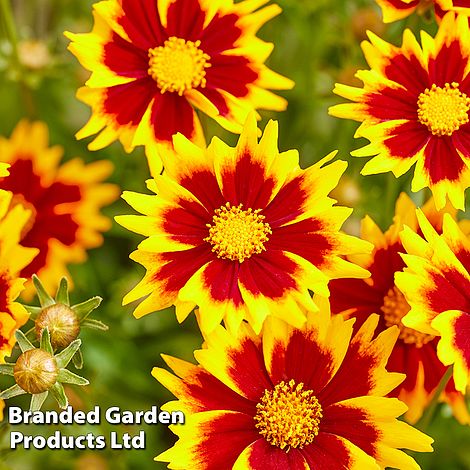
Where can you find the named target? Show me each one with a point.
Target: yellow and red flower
(305, 398)
(152, 63)
(415, 353)
(436, 284)
(394, 10)
(63, 201)
(239, 232)
(13, 258)
(415, 107)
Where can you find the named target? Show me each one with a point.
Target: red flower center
(237, 234)
(395, 307)
(443, 110)
(288, 416)
(178, 65)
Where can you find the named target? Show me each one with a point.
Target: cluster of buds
(42, 370)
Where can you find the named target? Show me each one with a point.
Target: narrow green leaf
(44, 298)
(33, 311)
(62, 295)
(85, 308)
(37, 401)
(6, 369)
(77, 359)
(65, 376)
(94, 325)
(23, 342)
(46, 341)
(64, 357)
(11, 392)
(59, 394)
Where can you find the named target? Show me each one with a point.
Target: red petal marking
(386, 263)
(449, 64)
(141, 22)
(408, 72)
(203, 184)
(47, 223)
(221, 279)
(247, 183)
(247, 370)
(217, 99)
(4, 301)
(179, 266)
(288, 203)
(264, 456)
(171, 114)
(302, 360)
(124, 59)
(407, 139)
(304, 238)
(449, 290)
(220, 34)
(354, 378)
(461, 139)
(187, 224)
(269, 274)
(231, 73)
(206, 393)
(461, 335)
(441, 160)
(389, 103)
(401, 5)
(353, 425)
(127, 103)
(327, 452)
(185, 19)
(222, 440)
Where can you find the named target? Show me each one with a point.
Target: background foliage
(317, 44)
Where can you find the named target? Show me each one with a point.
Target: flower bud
(36, 371)
(62, 322)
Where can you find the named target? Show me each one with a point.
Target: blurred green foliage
(317, 43)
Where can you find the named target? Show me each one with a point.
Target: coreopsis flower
(436, 284)
(305, 398)
(415, 353)
(239, 232)
(153, 63)
(13, 258)
(394, 10)
(414, 108)
(63, 200)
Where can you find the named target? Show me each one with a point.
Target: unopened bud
(62, 322)
(36, 371)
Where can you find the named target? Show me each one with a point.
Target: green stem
(10, 28)
(431, 410)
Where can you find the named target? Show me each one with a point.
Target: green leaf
(59, 394)
(11, 392)
(37, 401)
(44, 298)
(64, 357)
(85, 308)
(46, 341)
(23, 342)
(62, 295)
(65, 376)
(94, 325)
(33, 311)
(77, 359)
(6, 369)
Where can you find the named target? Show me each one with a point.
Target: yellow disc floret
(443, 110)
(288, 416)
(237, 234)
(394, 308)
(178, 65)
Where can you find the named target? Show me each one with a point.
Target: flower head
(415, 353)
(239, 232)
(63, 201)
(290, 398)
(414, 108)
(436, 284)
(152, 63)
(394, 10)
